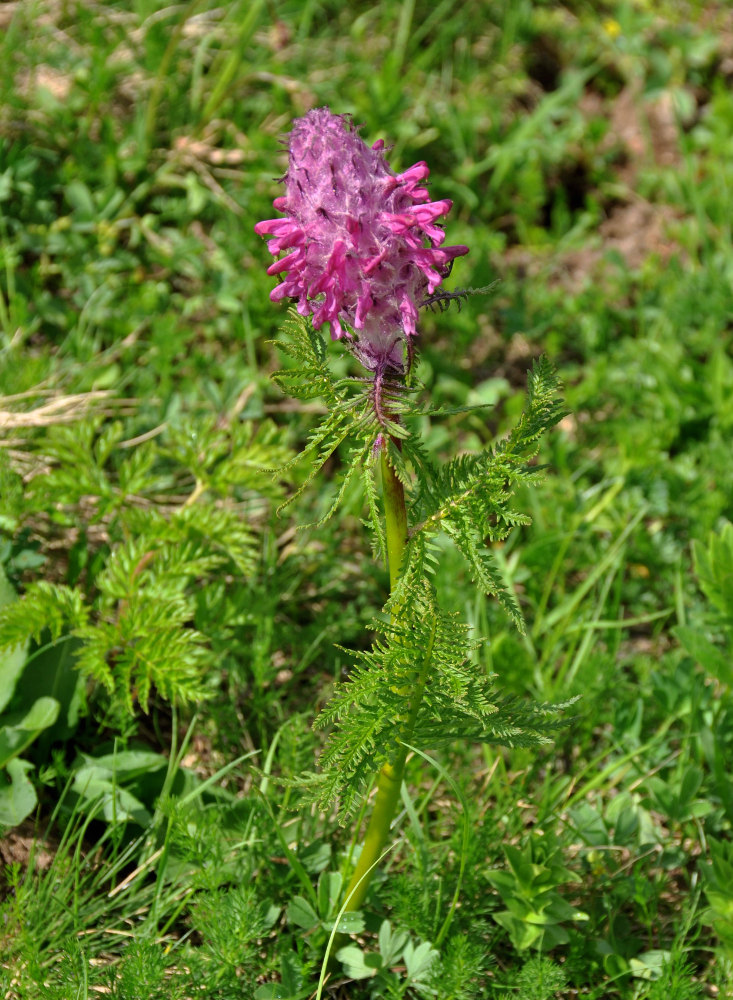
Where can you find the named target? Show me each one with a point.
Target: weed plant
(168, 640)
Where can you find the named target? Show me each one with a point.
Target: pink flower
(363, 249)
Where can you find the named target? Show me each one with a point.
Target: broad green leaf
(522, 934)
(291, 979)
(627, 826)
(118, 804)
(52, 672)
(128, 764)
(503, 881)
(277, 991)
(80, 198)
(11, 662)
(329, 892)
(558, 910)
(316, 856)
(21, 730)
(348, 923)
(357, 963)
(302, 914)
(650, 965)
(17, 795)
(691, 781)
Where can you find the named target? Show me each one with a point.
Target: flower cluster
(363, 249)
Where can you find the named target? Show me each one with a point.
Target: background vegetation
(167, 639)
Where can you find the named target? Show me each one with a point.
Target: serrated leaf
(391, 943)
(301, 913)
(419, 959)
(315, 856)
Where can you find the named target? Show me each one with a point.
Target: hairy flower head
(363, 250)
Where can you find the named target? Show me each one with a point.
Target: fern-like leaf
(43, 606)
(419, 682)
(312, 378)
(148, 643)
(469, 497)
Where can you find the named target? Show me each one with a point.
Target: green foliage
(422, 651)
(107, 786)
(14, 657)
(230, 922)
(24, 716)
(395, 947)
(312, 376)
(718, 880)
(714, 569)
(535, 911)
(136, 624)
(427, 652)
(350, 416)
(538, 979)
(469, 496)
(676, 980)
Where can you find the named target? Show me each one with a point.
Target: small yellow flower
(612, 27)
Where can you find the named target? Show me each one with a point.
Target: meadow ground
(171, 638)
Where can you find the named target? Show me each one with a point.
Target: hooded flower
(363, 249)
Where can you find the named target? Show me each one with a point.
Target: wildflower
(363, 249)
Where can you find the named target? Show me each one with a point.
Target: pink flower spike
(364, 250)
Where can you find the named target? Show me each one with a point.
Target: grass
(153, 839)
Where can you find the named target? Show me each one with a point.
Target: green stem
(395, 516)
(390, 777)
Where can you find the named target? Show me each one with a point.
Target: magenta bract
(363, 250)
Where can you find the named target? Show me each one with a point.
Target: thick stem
(385, 805)
(395, 516)
(389, 781)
